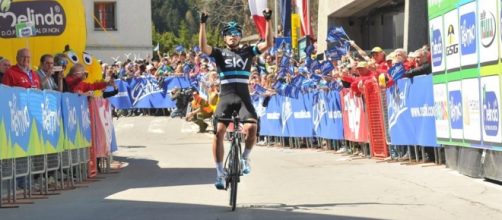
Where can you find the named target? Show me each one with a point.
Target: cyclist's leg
(223, 110)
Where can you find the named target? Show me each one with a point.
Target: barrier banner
(102, 129)
(297, 115)
(355, 125)
(327, 115)
(122, 99)
(411, 112)
(147, 92)
(51, 121)
(70, 108)
(17, 121)
(84, 124)
(271, 123)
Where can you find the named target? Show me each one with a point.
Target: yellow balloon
(57, 23)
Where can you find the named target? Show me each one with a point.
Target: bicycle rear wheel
(234, 175)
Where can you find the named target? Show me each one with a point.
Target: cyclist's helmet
(232, 28)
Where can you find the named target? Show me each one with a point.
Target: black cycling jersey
(235, 66)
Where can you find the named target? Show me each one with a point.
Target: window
(104, 16)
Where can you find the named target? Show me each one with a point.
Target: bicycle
(232, 162)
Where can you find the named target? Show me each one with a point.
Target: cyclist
(234, 62)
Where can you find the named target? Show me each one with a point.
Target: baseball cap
(362, 64)
(376, 50)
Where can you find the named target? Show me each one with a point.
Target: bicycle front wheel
(234, 176)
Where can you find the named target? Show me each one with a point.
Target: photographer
(200, 110)
(51, 76)
(182, 97)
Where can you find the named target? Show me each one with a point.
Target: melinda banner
(355, 125)
(411, 112)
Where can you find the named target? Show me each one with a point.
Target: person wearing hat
(378, 57)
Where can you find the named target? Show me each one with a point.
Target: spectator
(76, 84)
(47, 75)
(21, 75)
(4, 66)
(423, 65)
(200, 110)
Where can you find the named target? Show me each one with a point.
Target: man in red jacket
(21, 75)
(74, 81)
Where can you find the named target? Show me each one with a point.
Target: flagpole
(276, 12)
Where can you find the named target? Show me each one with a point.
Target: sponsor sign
(468, 35)
(441, 111)
(455, 107)
(471, 109)
(488, 32)
(437, 45)
(451, 40)
(490, 109)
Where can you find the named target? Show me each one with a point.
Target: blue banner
(327, 115)
(411, 112)
(147, 92)
(16, 119)
(71, 111)
(52, 132)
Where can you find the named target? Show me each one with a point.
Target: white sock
(220, 171)
(245, 154)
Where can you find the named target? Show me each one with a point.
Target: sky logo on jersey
(437, 47)
(236, 63)
(456, 116)
(490, 113)
(487, 28)
(468, 33)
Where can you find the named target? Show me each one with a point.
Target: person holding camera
(75, 81)
(50, 74)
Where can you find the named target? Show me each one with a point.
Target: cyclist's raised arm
(269, 41)
(202, 35)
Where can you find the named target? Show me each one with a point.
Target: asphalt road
(169, 174)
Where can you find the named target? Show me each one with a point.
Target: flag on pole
(256, 7)
(286, 17)
(303, 9)
(157, 47)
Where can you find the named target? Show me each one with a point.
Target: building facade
(389, 24)
(119, 29)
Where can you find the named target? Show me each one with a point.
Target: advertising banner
(490, 98)
(471, 110)
(355, 126)
(52, 123)
(437, 45)
(19, 124)
(327, 115)
(488, 32)
(451, 40)
(456, 110)
(468, 36)
(71, 111)
(411, 112)
(57, 23)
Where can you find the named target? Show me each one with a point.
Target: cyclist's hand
(267, 13)
(203, 17)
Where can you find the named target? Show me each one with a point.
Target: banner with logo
(57, 23)
(70, 111)
(442, 117)
(488, 32)
(468, 36)
(490, 109)
(471, 110)
(52, 121)
(147, 92)
(84, 115)
(102, 128)
(299, 123)
(411, 112)
(5, 143)
(456, 110)
(437, 45)
(355, 125)
(452, 37)
(270, 122)
(19, 124)
(327, 115)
